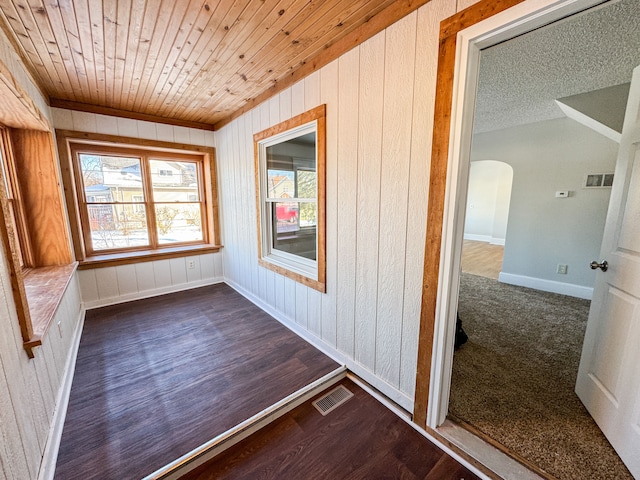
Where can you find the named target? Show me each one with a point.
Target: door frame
(462, 37)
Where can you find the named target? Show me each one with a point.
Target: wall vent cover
(332, 400)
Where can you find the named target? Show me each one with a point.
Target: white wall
(543, 230)
(379, 99)
(488, 200)
(105, 286)
(31, 389)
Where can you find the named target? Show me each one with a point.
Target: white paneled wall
(110, 285)
(380, 99)
(127, 127)
(31, 389)
(104, 286)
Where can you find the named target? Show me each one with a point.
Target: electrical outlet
(191, 264)
(562, 268)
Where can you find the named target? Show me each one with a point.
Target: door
(609, 374)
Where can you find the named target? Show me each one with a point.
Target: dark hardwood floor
(360, 439)
(156, 378)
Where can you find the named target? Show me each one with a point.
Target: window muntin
(290, 180)
(139, 199)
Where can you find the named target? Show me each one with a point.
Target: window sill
(44, 288)
(115, 259)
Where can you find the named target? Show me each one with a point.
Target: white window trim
(295, 263)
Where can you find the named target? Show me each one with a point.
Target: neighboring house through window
(132, 199)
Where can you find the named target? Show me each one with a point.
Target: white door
(609, 375)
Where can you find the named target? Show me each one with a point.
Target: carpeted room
(514, 381)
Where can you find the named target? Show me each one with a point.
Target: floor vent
(332, 400)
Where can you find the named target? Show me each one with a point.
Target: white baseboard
(552, 286)
(484, 238)
(50, 455)
(393, 393)
(103, 302)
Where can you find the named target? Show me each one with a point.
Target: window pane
(5, 173)
(290, 233)
(109, 178)
(179, 223)
(174, 181)
(308, 214)
(306, 184)
(117, 226)
(286, 217)
(280, 184)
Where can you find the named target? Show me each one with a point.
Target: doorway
(452, 231)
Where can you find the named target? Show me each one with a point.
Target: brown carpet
(514, 379)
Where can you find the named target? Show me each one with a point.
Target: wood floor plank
(481, 258)
(158, 377)
(361, 439)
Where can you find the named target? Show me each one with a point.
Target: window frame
(71, 144)
(14, 202)
(311, 273)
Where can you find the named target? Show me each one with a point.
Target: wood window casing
(449, 29)
(315, 116)
(34, 231)
(71, 144)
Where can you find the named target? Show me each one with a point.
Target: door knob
(602, 266)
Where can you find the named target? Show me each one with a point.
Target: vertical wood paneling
(145, 276)
(12, 451)
(348, 104)
(127, 279)
(89, 287)
(206, 266)
(237, 228)
(312, 91)
(290, 297)
(162, 273)
(107, 281)
(218, 266)
(301, 305)
(178, 271)
(128, 127)
(16, 373)
(396, 152)
(248, 243)
(29, 387)
(428, 24)
(253, 251)
(368, 199)
(379, 99)
(314, 297)
(329, 96)
(193, 273)
(297, 99)
(264, 120)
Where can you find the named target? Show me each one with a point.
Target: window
(290, 166)
(140, 201)
(14, 203)
(33, 230)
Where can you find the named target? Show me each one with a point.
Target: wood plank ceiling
(187, 60)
